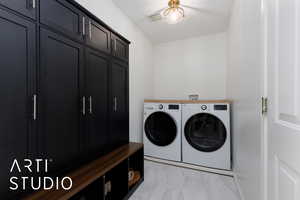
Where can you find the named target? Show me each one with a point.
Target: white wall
(191, 66)
(141, 59)
(245, 89)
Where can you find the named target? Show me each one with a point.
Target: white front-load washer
(206, 137)
(162, 131)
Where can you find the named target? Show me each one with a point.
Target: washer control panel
(163, 107)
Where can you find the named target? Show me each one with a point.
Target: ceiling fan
(175, 12)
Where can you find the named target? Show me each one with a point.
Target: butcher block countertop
(186, 101)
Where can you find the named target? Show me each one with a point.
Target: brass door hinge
(264, 105)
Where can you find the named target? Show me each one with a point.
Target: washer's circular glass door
(160, 129)
(205, 132)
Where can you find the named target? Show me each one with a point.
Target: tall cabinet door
(119, 117)
(97, 66)
(17, 88)
(59, 99)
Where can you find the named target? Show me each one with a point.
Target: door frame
(264, 92)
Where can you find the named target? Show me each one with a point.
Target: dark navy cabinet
(97, 88)
(17, 90)
(119, 107)
(98, 36)
(27, 8)
(63, 86)
(61, 61)
(120, 48)
(63, 17)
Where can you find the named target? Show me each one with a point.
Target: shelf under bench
(91, 172)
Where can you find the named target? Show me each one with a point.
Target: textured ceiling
(209, 17)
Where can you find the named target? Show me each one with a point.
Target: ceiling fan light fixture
(174, 13)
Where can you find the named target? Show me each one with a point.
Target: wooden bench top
(87, 174)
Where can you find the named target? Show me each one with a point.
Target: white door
(283, 56)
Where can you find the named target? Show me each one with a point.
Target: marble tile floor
(165, 182)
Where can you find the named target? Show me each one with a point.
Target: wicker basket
(136, 177)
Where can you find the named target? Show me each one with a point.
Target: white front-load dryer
(206, 137)
(162, 131)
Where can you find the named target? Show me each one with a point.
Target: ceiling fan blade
(156, 16)
(202, 10)
(159, 11)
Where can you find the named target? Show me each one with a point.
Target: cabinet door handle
(90, 29)
(115, 104)
(115, 43)
(32, 4)
(91, 104)
(83, 26)
(83, 105)
(34, 107)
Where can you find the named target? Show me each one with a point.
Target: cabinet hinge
(264, 105)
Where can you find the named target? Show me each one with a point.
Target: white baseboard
(237, 183)
(189, 166)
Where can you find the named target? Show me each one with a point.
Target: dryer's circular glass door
(205, 132)
(160, 129)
